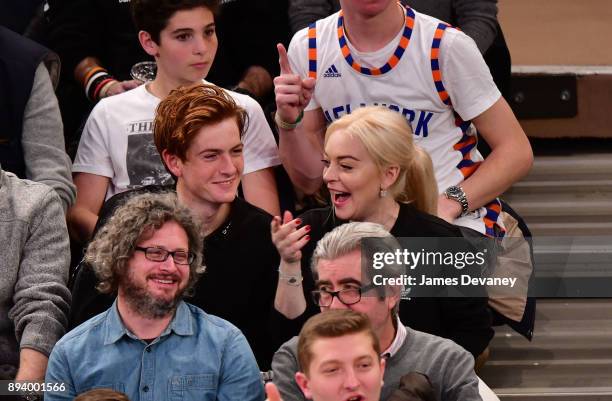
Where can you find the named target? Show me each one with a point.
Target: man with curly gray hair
(151, 344)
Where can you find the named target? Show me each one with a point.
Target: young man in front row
(116, 151)
(336, 265)
(340, 358)
(150, 344)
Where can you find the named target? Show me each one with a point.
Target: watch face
(454, 191)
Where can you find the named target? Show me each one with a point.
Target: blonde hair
(387, 137)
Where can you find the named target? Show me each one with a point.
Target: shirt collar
(398, 341)
(181, 324)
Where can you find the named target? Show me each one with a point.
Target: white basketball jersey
(416, 74)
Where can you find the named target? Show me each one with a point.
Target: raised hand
(288, 238)
(293, 93)
(272, 392)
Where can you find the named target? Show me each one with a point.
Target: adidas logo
(332, 72)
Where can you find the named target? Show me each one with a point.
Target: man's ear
(148, 44)
(394, 297)
(173, 163)
(302, 381)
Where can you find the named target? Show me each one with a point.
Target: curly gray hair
(114, 244)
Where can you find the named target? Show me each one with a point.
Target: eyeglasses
(348, 296)
(160, 255)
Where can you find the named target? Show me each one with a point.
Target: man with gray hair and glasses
(340, 284)
(151, 344)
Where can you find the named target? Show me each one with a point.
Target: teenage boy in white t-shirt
(117, 153)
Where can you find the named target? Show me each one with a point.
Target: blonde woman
(374, 173)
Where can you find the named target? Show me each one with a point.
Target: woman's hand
(288, 238)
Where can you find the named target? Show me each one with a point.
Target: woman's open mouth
(340, 199)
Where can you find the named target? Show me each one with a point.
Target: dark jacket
(19, 59)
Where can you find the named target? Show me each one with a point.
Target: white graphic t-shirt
(117, 141)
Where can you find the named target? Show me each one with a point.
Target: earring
(383, 193)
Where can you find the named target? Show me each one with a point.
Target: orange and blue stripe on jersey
(435, 64)
(493, 229)
(465, 145)
(395, 57)
(467, 167)
(468, 142)
(312, 50)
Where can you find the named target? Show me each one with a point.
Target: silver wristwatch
(456, 193)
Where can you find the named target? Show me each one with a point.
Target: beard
(144, 303)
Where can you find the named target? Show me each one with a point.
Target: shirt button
(145, 389)
(148, 349)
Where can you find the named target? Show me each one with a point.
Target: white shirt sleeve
(93, 153)
(466, 76)
(260, 150)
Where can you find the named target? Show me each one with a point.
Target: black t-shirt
(239, 283)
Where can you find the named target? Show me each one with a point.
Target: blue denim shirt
(197, 357)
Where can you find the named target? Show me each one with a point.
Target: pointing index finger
(283, 59)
